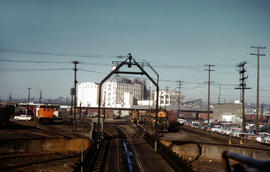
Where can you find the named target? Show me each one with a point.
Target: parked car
(181, 121)
(215, 128)
(195, 124)
(259, 139)
(266, 139)
(225, 130)
(23, 117)
(95, 115)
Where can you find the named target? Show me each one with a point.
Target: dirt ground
(203, 164)
(40, 163)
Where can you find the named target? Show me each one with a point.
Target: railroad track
(115, 154)
(94, 158)
(121, 156)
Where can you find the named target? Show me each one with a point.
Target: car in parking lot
(215, 128)
(23, 117)
(235, 132)
(225, 130)
(182, 121)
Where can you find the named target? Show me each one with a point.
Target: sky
(40, 39)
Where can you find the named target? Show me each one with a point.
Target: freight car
(195, 115)
(6, 110)
(137, 117)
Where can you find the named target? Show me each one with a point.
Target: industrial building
(230, 112)
(169, 97)
(87, 94)
(122, 92)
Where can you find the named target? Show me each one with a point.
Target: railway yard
(31, 146)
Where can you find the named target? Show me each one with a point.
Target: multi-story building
(115, 91)
(119, 93)
(87, 94)
(169, 97)
(228, 112)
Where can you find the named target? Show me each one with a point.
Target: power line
(195, 87)
(49, 53)
(51, 62)
(92, 71)
(29, 70)
(183, 81)
(30, 61)
(49, 69)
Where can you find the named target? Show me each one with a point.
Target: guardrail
(262, 166)
(93, 158)
(172, 158)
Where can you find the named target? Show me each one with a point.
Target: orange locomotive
(45, 113)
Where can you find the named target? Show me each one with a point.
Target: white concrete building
(116, 93)
(87, 94)
(164, 98)
(169, 97)
(145, 102)
(128, 99)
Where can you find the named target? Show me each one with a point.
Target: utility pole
(40, 96)
(262, 108)
(167, 88)
(179, 95)
(151, 92)
(258, 84)
(209, 81)
(71, 102)
(219, 94)
(243, 87)
(75, 98)
(10, 97)
(28, 100)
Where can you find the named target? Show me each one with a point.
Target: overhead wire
(31, 61)
(29, 70)
(49, 53)
(92, 71)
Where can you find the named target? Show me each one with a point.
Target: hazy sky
(39, 39)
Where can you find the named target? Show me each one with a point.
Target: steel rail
(137, 158)
(118, 150)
